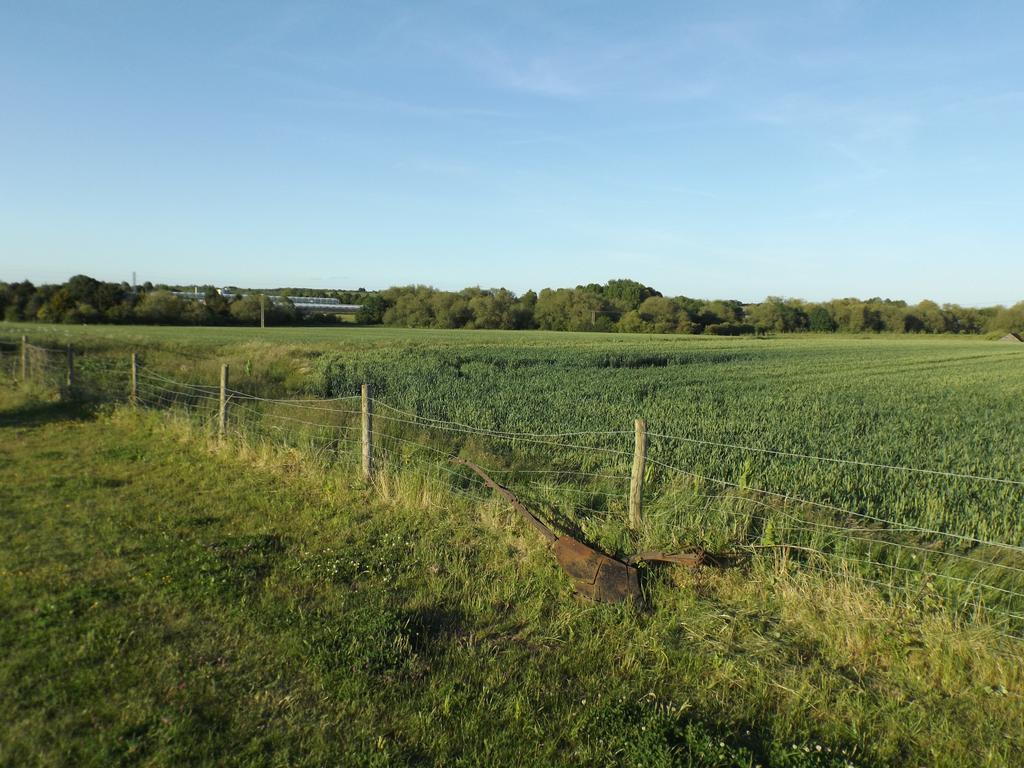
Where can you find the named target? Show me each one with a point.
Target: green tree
(1009, 319)
(371, 310)
(626, 294)
(631, 322)
(246, 309)
(450, 310)
(411, 308)
(522, 311)
(659, 314)
(820, 319)
(776, 315)
(933, 319)
(159, 307)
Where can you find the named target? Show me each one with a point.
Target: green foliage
(623, 305)
(729, 329)
(273, 616)
(647, 733)
(371, 310)
(159, 307)
(820, 397)
(627, 294)
(1010, 319)
(819, 319)
(247, 310)
(776, 315)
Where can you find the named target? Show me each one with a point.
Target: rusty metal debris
(689, 559)
(696, 559)
(532, 519)
(595, 575)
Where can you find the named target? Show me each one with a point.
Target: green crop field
(911, 442)
(875, 622)
(944, 404)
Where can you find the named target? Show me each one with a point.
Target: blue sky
(709, 149)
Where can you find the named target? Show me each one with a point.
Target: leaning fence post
(367, 409)
(223, 401)
(70, 380)
(133, 392)
(24, 358)
(636, 483)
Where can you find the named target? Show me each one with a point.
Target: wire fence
(579, 481)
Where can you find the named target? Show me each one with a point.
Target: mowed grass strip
(165, 602)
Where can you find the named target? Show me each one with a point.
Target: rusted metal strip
(594, 574)
(689, 559)
(532, 519)
(696, 559)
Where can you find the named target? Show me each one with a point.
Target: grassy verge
(165, 601)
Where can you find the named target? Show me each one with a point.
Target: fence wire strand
(871, 550)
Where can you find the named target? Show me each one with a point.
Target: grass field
(421, 615)
(166, 600)
(726, 415)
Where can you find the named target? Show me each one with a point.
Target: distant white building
(307, 304)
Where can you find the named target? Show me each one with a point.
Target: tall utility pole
(263, 321)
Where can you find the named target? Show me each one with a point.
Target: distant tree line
(627, 306)
(624, 306)
(83, 299)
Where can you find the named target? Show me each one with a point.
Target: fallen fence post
(223, 401)
(636, 482)
(367, 412)
(24, 358)
(133, 392)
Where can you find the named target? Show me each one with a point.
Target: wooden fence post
(24, 358)
(133, 392)
(367, 410)
(70, 380)
(636, 483)
(223, 401)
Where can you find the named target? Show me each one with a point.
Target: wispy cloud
(861, 133)
(862, 161)
(534, 73)
(862, 121)
(437, 166)
(1013, 98)
(560, 61)
(538, 75)
(298, 87)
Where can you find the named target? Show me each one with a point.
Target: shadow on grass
(430, 625)
(36, 413)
